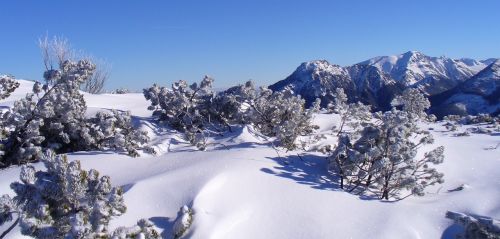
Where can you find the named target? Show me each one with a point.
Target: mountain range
(454, 86)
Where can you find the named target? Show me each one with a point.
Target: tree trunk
(10, 228)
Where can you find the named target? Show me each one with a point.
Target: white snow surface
(246, 190)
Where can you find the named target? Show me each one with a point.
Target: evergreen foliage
(53, 117)
(196, 110)
(413, 102)
(381, 159)
(7, 85)
(351, 114)
(65, 201)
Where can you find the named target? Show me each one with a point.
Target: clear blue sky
(233, 41)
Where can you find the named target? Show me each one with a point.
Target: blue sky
(150, 42)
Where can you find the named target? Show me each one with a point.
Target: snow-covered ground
(243, 188)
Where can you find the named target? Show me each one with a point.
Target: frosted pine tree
(183, 107)
(382, 160)
(232, 105)
(7, 85)
(413, 102)
(114, 130)
(53, 117)
(142, 230)
(198, 112)
(282, 115)
(351, 114)
(66, 201)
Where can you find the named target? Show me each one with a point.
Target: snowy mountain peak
(412, 55)
(432, 74)
(318, 66)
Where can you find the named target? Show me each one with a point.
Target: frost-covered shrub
(183, 221)
(479, 119)
(65, 201)
(114, 130)
(452, 118)
(480, 130)
(382, 161)
(7, 85)
(353, 114)
(53, 117)
(413, 102)
(197, 111)
(476, 227)
(283, 115)
(183, 107)
(143, 230)
(233, 106)
(121, 91)
(462, 134)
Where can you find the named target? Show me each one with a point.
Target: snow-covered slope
(479, 94)
(246, 189)
(433, 74)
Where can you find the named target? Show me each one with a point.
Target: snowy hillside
(479, 94)
(241, 187)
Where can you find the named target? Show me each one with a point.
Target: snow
(246, 189)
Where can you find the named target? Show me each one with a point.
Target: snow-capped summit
(432, 74)
(320, 66)
(316, 79)
(319, 79)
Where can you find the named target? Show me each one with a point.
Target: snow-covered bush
(183, 221)
(462, 134)
(143, 230)
(413, 102)
(57, 50)
(478, 119)
(65, 201)
(184, 107)
(114, 130)
(476, 227)
(197, 111)
(382, 161)
(233, 106)
(452, 118)
(121, 91)
(353, 114)
(283, 115)
(53, 117)
(7, 85)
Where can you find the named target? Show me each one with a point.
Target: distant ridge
(377, 80)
